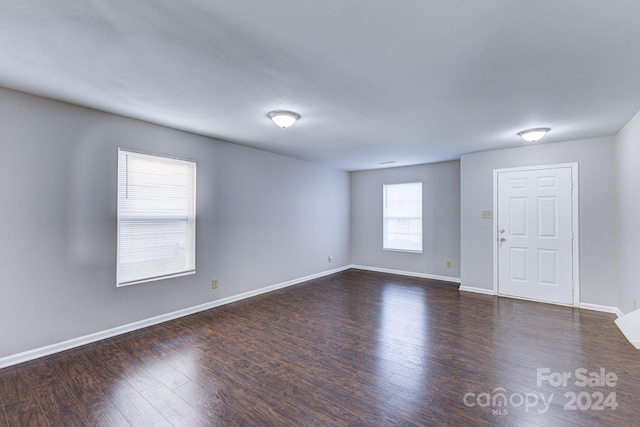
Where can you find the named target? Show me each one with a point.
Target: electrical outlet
(214, 284)
(448, 264)
(329, 258)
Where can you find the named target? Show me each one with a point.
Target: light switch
(487, 214)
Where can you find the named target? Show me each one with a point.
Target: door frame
(575, 226)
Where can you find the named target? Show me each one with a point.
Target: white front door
(535, 234)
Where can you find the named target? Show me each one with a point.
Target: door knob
(501, 231)
(502, 240)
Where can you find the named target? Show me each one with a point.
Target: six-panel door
(535, 257)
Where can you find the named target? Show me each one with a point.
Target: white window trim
(192, 245)
(384, 218)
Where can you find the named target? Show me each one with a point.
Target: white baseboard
(602, 308)
(585, 306)
(477, 290)
(407, 273)
(88, 339)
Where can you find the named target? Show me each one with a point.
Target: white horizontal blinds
(156, 217)
(403, 217)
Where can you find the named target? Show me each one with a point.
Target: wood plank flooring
(355, 348)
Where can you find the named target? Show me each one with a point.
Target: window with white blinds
(156, 217)
(402, 217)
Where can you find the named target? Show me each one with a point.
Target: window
(402, 216)
(156, 218)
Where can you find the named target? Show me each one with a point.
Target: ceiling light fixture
(284, 119)
(533, 135)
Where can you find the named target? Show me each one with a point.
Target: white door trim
(575, 223)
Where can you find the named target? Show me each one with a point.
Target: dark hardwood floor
(352, 349)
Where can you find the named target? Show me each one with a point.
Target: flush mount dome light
(284, 119)
(533, 135)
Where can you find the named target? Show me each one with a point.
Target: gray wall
(598, 260)
(441, 219)
(628, 162)
(262, 219)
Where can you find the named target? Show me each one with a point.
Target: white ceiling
(410, 81)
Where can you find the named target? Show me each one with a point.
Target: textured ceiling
(374, 80)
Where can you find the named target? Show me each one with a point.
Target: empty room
(333, 213)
